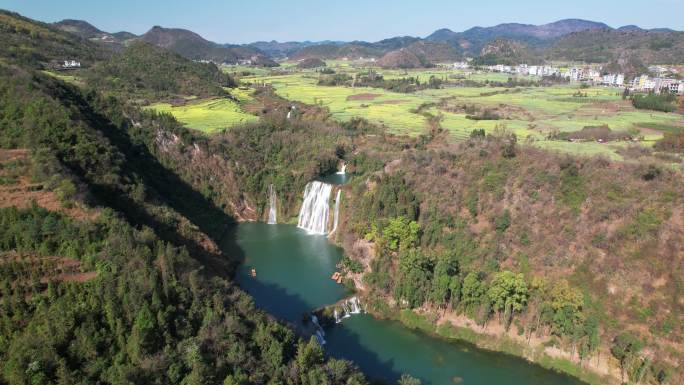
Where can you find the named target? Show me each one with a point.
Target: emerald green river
(293, 272)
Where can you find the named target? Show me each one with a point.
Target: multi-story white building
(644, 83)
(574, 74)
(461, 65)
(676, 87)
(614, 80)
(593, 75)
(501, 68)
(641, 83)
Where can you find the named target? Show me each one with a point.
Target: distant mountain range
(471, 41)
(194, 46)
(628, 47)
(184, 42)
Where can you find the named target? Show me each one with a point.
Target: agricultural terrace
(211, 115)
(535, 114)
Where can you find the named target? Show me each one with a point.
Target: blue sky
(231, 21)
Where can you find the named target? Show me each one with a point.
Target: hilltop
(509, 52)
(193, 46)
(473, 40)
(627, 48)
(620, 47)
(173, 77)
(40, 45)
(88, 31)
(423, 53)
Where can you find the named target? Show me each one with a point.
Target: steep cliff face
(214, 174)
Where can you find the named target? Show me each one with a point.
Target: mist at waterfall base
(293, 277)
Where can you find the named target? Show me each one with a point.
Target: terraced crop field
(532, 113)
(209, 115)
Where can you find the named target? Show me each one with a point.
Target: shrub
(503, 222)
(672, 142)
(663, 102)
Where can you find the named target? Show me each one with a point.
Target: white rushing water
(350, 307)
(336, 211)
(273, 209)
(320, 333)
(343, 169)
(313, 217)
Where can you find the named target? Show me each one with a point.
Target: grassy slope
(208, 116)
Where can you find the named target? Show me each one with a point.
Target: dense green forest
(150, 300)
(128, 73)
(152, 314)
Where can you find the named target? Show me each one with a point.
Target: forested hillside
(37, 45)
(626, 49)
(542, 249)
(144, 295)
(153, 73)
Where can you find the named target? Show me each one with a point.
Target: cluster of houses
(642, 83)
(645, 83)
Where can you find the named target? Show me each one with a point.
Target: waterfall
(343, 169)
(319, 338)
(354, 304)
(273, 210)
(336, 212)
(313, 217)
(320, 333)
(350, 307)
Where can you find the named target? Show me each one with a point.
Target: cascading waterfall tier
(320, 333)
(343, 169)
(315, 212)
(336, 212)
(349, 307)
(273, 209)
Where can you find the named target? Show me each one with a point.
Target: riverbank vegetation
(483, 230)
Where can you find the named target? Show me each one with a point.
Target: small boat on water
(254, 273)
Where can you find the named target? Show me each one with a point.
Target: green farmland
(209, 115)
(532, 113)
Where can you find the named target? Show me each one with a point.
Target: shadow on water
(276, 300)
(293, 272)
(292, 309)
(227, 242)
